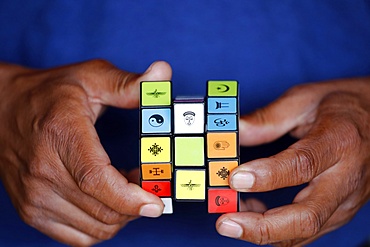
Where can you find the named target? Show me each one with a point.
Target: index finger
(334, 136)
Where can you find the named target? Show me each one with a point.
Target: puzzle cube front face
(222, 145)
(190, 145)
(156, 140)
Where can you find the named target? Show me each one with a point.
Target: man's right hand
(52, 163)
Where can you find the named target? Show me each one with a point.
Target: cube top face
(156, 120)
(156, 93)
(188, 118)
(222, 88)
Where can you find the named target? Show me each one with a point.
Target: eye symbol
(156, 120)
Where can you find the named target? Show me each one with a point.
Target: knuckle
(104, 232)
(106, 235)
(97, 63)
(261, 116)
(304, 164)
(352, 140)
(91, 179)
(86, 71)
(106, 215)
(300, 167)
(262, 230)
(36, 168)
(61, 112)
(299, 89)
(29, 214)
(309, 224)
(336, 98)
(286, 243)
(32, 195)
(50, 125)
(25, 212)
(84, 241)
(40, 168)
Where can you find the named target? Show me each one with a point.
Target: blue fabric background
(268, 46)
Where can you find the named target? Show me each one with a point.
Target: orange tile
(219, 171)
(156, 171)
(221, 145)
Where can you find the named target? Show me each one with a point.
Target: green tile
(223, 88)
(156, 93)
(189, 151)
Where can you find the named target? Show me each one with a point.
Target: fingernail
(243, 180)
(230, 229)
(151, 210)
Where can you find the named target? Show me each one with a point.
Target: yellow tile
(219, 172)
(155, 149)
(190, 184)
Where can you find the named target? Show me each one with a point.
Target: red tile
(222, 200)
(158, 188)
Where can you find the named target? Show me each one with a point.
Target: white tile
(188, 118)
(167, 205)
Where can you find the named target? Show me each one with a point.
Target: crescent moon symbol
(224, 87)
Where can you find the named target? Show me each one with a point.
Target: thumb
(110, 86)
(296, 109)
(129, 87)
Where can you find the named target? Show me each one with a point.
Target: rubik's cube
(189, 145)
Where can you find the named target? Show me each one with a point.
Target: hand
(332, 156)
(53, 166)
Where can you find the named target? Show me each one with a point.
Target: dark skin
(61, 181)
(332, 121)
(53, 166)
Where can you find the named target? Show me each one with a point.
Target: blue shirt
(268, 46)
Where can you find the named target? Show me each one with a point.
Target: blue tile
(221, 122)
(222, 105)
(156, 120)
